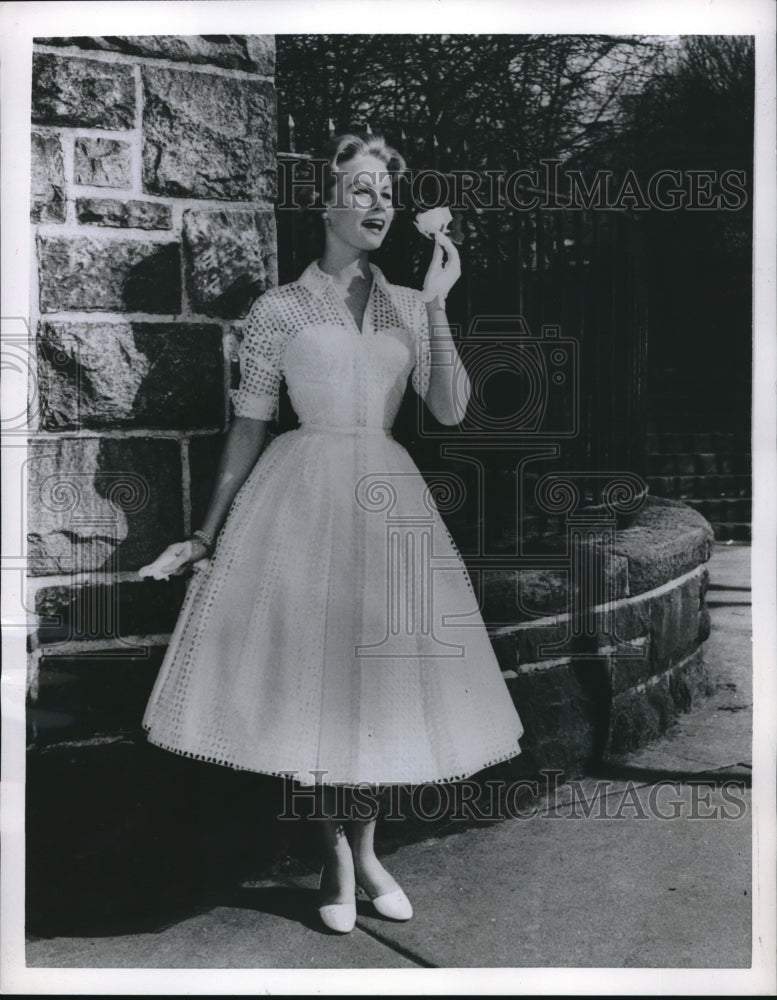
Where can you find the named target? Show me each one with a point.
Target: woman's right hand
(175, 560)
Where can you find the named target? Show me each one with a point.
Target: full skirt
(335, 636)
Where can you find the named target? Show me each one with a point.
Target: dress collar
(317, 281)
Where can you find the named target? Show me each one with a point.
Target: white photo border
(19, 23)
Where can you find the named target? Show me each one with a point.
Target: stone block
(499, 596)
(87, 696)
(655, 442)
(252, 53)
(672, 443)
(721, 442)
(734, 463)
(530, 640)
(706, 463)
(525, 594)
(261, 52)
(102, 163)
(541, 592)
(230, 258)
(687, 441)
(741, 486)
(82, 92)
(204, 455)
(628, 671)
(705, 625)
(108, 611)
(605, 577)
(101, 504)
(104, 375)
(714, 510)
(685, 486)
(124, 214)
(632, 619)
(564, 709)
(661, 465)
(84, 273)
(739, 509)
(639, 716)
(48, 179)
(542, 696)
(666, 540)
(674, 623)
(208, 136)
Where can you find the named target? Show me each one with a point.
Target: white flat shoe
(394, 905)
(340, 917)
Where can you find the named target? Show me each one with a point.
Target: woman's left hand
(443, 273)
(175, 560)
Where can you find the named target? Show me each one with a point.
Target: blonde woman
(324, 639)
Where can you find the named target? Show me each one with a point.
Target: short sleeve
(423, 350)
(260, 363)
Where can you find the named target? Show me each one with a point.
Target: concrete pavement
(642, 865)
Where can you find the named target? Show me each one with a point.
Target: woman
(334, 634)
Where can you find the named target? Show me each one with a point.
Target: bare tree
(512, 99)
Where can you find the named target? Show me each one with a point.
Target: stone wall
(153, 179)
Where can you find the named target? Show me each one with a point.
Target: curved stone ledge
(665, 540)
(614, 679)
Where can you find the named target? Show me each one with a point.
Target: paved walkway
(621, 888)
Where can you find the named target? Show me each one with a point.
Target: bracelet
(204, 539)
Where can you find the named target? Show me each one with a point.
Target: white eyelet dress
(335, 636)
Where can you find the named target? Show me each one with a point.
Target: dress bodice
(336, 375)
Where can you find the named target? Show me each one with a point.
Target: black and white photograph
(388, 444)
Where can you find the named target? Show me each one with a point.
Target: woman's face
(359, 207)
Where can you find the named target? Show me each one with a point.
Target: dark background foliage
(595, 102)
